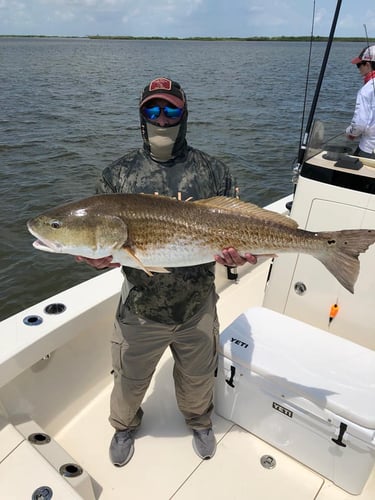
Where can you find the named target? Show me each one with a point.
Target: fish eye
(55, 224)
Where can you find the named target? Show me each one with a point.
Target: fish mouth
(43, 244)
(46, 246)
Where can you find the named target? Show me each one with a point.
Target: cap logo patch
(160, 84)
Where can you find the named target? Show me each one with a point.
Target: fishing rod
(306, 136)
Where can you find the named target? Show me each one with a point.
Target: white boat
(295, 393)
(289, 381)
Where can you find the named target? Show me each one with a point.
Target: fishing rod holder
(52, 309)
(55, 308)
(32, 320)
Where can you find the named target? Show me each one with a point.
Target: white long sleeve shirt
(363, 121)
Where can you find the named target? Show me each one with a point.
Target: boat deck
(165, 466)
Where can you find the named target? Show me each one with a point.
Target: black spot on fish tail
(342, 252)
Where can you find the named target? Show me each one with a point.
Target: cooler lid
(334, 373)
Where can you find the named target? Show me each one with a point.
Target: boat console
(335, 191)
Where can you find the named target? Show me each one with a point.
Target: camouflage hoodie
(175, 297)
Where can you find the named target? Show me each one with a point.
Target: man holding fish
(167, 249)
(176, 309)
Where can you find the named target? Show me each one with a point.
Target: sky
(185, 18)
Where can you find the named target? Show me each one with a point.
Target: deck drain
(42, 493)
(300, 288)
(268, 462)
(70, 470)
(39, 438)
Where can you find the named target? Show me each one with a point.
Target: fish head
(78, 231)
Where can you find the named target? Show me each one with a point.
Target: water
(69, 108)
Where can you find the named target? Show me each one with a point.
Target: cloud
(182, 18)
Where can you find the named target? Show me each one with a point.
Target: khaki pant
(138, 345)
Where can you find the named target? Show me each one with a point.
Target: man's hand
(232, 258)
(103, 263)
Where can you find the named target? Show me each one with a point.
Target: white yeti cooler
(303, 390)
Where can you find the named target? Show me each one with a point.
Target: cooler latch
(342, 431)
(232, 374)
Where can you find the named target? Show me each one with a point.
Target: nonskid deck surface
(165, 466)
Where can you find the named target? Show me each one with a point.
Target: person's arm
(360, 118)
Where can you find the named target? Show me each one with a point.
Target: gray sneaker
(204, 443)
(121, 448)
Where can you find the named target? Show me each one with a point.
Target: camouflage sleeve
(224, 181)
(227, 184)
(111, 179)
(102, 186)
(108, 182)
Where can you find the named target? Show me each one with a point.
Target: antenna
(365, 27)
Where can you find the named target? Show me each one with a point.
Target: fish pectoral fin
(157, 270)
(137, 260)
(147, 270)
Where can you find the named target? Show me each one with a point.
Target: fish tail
(342, 251)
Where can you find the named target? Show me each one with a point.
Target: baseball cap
(165, 89)
(367, 54)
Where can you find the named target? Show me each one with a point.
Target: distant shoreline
(202, 38)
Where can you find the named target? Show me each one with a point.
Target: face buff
(162, 141)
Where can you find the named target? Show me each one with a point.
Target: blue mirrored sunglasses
(154, 112)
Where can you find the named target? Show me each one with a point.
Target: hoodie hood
(164, 143)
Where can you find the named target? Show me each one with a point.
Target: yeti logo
(282, 410)
(239, 342)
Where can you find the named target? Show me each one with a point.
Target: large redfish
(147, 231)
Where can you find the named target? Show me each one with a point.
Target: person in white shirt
(362, 125)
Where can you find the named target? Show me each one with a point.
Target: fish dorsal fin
(245, 208)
